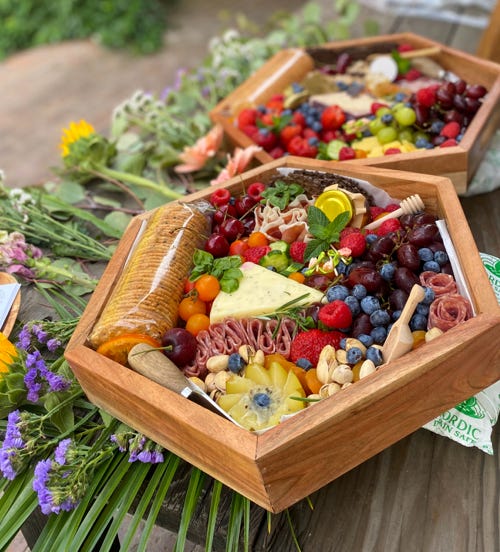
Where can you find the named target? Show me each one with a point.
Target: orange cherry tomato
(118, 348)
(256, 239)
(196, 323)
(207, 286)
(297, 277)
(360, 154)
(238, 247)
(191, 305)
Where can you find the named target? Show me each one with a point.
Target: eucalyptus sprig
(325, 232)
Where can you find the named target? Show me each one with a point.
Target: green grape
(397, 106)
(375, 126)
(387, 134)
(405, 116)
(382, 111)
(420, 134)
(406, 134)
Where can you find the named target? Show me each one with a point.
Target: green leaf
(118, 220)
(314, 248)
(192, 495)
(212, 514)
(316, 217)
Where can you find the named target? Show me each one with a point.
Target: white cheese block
(260, 292)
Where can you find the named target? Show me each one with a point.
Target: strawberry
(297, 250)
(254, 254)
(265, 139)
(332, 118)
(450, 130)
(392, 151)
(299, 119)
(301, 147)
(309, 344)
(246, 117)
(289, 132)
(336, 315)
(390, 225)
(277, 152)
(355, 242)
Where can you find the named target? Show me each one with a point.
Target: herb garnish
(281, 194)
(225, 269)
(295, 311)
(325, 232)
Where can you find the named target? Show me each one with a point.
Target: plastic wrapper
(146, 297)
(471, 422)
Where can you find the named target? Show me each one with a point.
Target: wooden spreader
(458, 163)
(304, 453)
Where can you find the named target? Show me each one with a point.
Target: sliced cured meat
(440, 283)
(446, 311)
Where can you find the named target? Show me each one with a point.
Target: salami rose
(446, 311)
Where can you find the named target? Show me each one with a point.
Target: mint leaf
(316, 216)
(314, 248)
(281, 194)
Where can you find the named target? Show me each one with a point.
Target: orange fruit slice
(118, 348)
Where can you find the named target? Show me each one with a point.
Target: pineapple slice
(258, 399)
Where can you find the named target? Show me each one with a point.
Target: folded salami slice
(448, 310)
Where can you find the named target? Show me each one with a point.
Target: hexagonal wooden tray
(302, 454)
(458, 163)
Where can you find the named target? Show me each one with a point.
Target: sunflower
(70, 135)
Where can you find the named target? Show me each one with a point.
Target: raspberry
(450, 130)
(309, 344)
(390, 225)
(297, 250)
(254, 254)
(346, 153)
(448, 143)
(375, 211)
(391, 207)
(349, 230)
(355, 242)
(404, 47)
(426, 96)
(336, 315)
(376, 106)
(412, 74)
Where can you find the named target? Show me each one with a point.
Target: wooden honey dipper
(409, 206)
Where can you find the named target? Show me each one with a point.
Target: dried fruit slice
(261, 397)
(118, 348)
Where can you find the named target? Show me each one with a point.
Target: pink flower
(195, 157)
(237, 163)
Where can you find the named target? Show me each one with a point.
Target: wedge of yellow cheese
(261, 292)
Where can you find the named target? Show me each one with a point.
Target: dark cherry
(475, 91)
(217, 245)
(224, 212)
(249, 224)
(397, 299)
(422, 114)
(244, 205)
(405, 279)
(453, 116)
(232, 229)
(421, 236)
(424, 218)
(407, 255)
(459, 103)
(182, 346)
(361, 325)
(380, 248)
(318, 281)
(444, 98)
(472, 105)
(366, 276)
(460, 86)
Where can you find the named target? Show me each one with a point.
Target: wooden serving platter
(285, 464)
(458, 163)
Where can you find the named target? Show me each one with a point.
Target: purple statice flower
(40, 485)
(53, 344)
(120, 440)
(24, 338)
(39, 333)
(166, 93)
(61, 450)
(38, 374)
(12, 444)
(16, 255)
(136, 447)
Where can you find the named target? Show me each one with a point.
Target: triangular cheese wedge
(260, 292)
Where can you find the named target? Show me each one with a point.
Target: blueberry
(380, 318)
(235, 363)
(436, 127)
(431, 266)
(313, 140)
(387, 271)
(304, 363)
(261, 109)
(296, 87)
(262, 400)
(429, 296)
(375, 355)
(366, 339)
(341, 268)
(370, 238)
(418, 322)
(422, 143)
(354, 354)
(422, 308)
(359, 291)
(400, 97)
(425, 254)
(353, 304)
(396, 314)
(441, 257)
(317, 126)
(387, 118)
(343, 342)
(369, 304)
(379, 334)
(286, 112)
(341, 85)
(337, 292)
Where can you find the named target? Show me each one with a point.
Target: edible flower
(75, 132)
(236, 163)
(195, 157)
